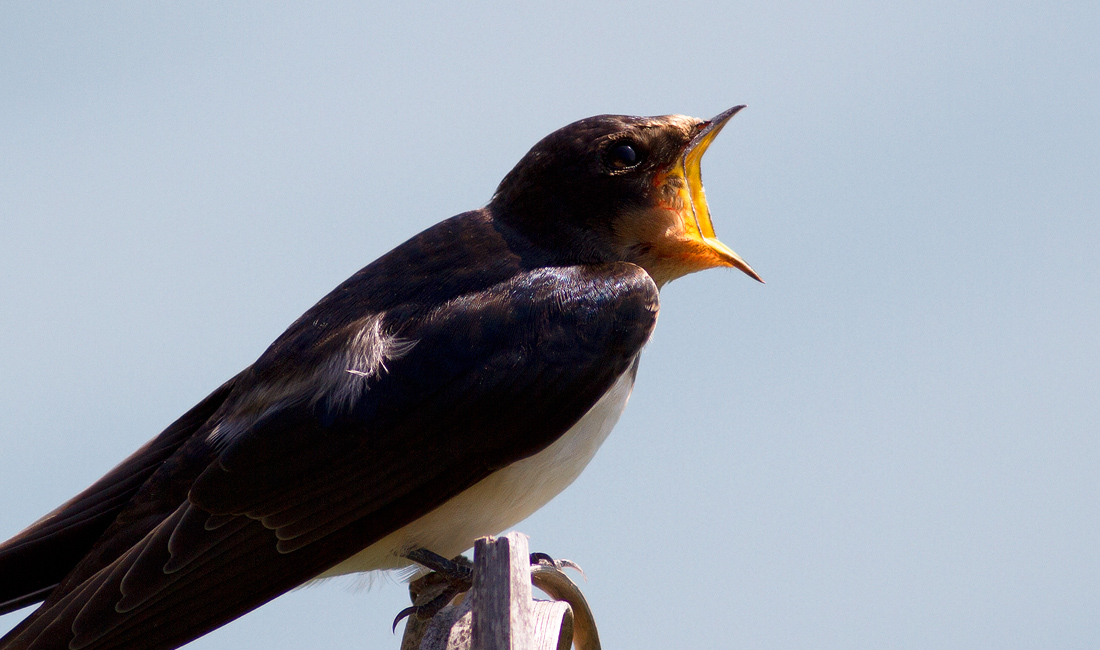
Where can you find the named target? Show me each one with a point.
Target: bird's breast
(502, 499)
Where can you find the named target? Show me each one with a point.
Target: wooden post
(502, 593)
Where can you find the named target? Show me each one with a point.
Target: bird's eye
(624, 155)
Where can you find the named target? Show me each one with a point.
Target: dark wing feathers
(37, 559)
(495, 375)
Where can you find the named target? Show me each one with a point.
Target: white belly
(502, 499)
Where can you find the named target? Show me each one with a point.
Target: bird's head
(621, 188)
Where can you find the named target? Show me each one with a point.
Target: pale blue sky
(892, 444)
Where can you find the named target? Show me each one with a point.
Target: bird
(444, 392)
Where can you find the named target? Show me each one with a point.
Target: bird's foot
(542, 559)
(433, 591)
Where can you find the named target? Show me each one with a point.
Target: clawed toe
(542, 559)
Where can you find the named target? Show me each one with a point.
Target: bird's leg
(433, 591)
(458, 568)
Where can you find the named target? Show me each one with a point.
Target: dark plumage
(432, 377)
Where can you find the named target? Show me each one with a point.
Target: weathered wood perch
(499, 613)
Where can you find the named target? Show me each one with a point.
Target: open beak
(704, 229)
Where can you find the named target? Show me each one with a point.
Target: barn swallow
(444, 392)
